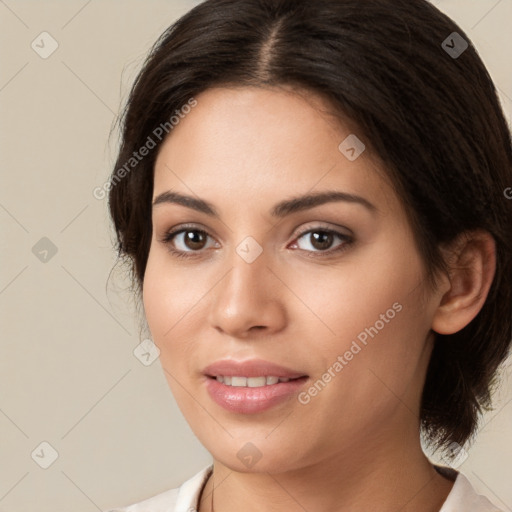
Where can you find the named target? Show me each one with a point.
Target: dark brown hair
(433, 118)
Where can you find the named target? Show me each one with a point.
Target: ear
(472, 265)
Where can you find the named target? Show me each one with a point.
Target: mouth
(252, 386)
(250, 369)
(237, 381)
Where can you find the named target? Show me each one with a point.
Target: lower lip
(245, 400)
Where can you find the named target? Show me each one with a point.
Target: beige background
(68, 375)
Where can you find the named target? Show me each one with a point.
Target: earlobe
(472, 266)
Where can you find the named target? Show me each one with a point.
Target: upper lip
(250, 368)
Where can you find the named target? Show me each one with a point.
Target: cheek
(176, 297)
(170, 303)
(362, 293)
(377, 363)
(170, 298)
(156, 298)
(376, 325)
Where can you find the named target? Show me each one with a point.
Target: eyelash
(346, 239)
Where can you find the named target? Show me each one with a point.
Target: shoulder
(463, 496)
(184, 497)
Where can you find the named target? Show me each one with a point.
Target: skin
(355, 445)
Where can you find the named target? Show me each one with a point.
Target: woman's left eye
(191, 241)
(321, 240)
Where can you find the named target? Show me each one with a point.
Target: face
(240, 277)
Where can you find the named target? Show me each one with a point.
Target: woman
(311, 195)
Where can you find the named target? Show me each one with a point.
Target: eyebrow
(282, 209)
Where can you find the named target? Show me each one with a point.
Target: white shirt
(462, 497)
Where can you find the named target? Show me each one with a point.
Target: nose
(248, 301)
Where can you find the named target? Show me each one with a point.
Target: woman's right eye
(184, 241)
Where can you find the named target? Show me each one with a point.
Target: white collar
(464, 497)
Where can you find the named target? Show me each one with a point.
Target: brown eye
(187, 240)
(321, 240)
(194, 239)
(324, 241)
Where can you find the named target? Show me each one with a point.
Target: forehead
(262, 143)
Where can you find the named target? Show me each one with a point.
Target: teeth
(251, 382)
(256, 382)
(239, 382)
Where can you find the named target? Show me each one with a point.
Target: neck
(396, 477)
